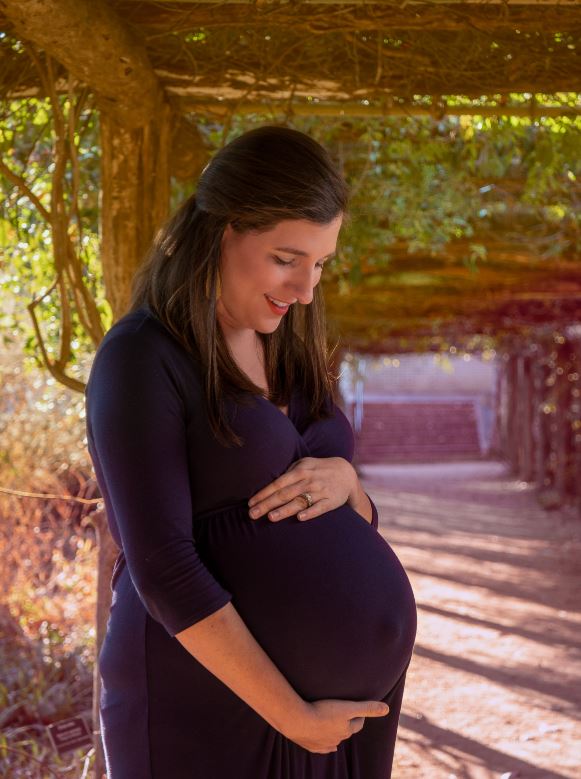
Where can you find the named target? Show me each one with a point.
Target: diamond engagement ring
(307, 497)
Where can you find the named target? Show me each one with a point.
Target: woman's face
(283, 264)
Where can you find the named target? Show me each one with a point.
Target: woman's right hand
(327, 722)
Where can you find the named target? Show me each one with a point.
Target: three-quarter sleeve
(136, 431)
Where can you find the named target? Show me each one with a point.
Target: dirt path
(494, 687)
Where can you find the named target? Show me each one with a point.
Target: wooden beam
(277, 105)
(352, 109)
(319, 100)
(96, 47)
(339, 65)
(348, 67)
(155, 19)
(153, 16)
(392, 3)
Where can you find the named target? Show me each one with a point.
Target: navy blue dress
(326, 598)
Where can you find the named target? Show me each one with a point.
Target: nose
(304, 283)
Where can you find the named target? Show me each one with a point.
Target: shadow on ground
(494, 687)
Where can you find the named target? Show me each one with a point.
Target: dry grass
(47, 577)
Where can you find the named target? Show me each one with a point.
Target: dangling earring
(218, 286)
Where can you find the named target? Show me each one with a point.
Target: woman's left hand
(330, 481)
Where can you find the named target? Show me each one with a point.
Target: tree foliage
(416, 182)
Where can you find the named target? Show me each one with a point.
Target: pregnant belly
(327, 599)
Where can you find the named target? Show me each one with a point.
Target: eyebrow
(290, 250)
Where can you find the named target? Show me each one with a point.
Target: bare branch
(25, 189)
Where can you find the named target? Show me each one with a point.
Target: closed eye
(280, 261)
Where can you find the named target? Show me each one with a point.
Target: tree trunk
(97, 47)
(135, 198)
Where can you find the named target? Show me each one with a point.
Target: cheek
(265, 276)
(250, 274)
(241, 275)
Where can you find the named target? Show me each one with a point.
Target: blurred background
(454, 319)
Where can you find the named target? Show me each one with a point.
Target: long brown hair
(266, 175)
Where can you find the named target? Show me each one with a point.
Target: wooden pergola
(154, 67)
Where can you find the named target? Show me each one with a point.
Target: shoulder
(138, 328)
(138, 346)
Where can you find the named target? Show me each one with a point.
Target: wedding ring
(307, 497)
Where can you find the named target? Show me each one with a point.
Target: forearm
(223, 644)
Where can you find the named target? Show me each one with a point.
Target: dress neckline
(289, 406)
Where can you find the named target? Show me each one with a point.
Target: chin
(267, 328)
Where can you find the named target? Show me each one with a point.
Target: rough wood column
(496, 438)
(98, 49)
(540, 428)
(519, 419)
(135, 175)
(501, 407)
(576, 425)
(563, 443)
(510, 427)
(524, 397)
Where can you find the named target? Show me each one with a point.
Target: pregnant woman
(259, 622)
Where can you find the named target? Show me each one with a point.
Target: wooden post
(135, 175)
(512, 426)
(538, 421)
(575, 420)
(524, 397)
(563, 443)
(496, 447)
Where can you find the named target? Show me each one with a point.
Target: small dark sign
(70, 734)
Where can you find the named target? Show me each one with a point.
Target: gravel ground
(494, 686)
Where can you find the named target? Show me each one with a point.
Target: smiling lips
(278, 306)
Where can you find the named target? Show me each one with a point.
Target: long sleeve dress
(326, 598)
